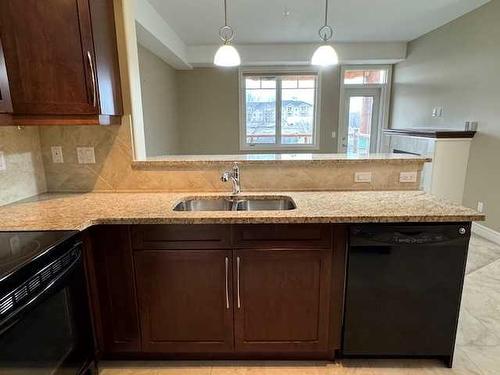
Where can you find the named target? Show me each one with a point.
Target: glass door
(361, 123)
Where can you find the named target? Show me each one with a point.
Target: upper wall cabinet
(62, 61)
(5, 102)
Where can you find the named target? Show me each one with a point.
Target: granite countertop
(79, 211)
(279, 159)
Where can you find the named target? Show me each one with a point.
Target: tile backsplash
(30, 169)
(22, 172)
(112, 170)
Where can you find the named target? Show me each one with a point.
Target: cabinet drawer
(282, 236)
(179, 237)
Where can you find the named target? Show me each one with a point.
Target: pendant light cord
(326, 12)
(226, 32)
(225, 12)
(326, 31)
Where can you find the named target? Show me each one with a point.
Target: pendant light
(226, 55)
(325, 55)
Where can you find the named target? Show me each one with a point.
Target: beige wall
(159, 101)
(457, 67)
(208, 111)
(24, 175)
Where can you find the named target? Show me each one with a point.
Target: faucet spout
(234, 176)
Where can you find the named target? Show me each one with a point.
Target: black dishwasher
(404, 285)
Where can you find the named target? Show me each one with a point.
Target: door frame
(375, 93)
(384, 106)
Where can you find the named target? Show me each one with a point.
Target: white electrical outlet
(3, 165)
(365, 177)
(408, 177)
(480, 206)
(57, 154)
(85, 155)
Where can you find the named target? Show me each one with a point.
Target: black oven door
(51, 333)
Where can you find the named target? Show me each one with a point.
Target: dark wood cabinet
(185, 300)
(112, 289)
(5, 102)
(282, 300)
(219, 291)
(61, 60)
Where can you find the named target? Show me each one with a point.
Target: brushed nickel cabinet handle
(227, 283)
(92, 73)
(238, 280)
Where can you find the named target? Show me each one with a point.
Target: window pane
(297, 111)
(353, 77)
(252, 83)
(369, 76)
(261, 113)
(360, 124)
(268, 83)
(374, 76)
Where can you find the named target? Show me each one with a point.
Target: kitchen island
(265, 284)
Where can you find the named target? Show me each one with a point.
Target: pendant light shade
(226, 55)
(325, 55)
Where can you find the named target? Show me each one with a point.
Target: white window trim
(317, 109)
(385, 100)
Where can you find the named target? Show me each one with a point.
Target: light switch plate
(57, 154)
(3, 165)
(85, 155)
(365, 177)
(480, 206)
(408, 177)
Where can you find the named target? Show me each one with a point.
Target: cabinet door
(5, 103)
(282, 300)
(112, 286)
(185, 300)
(50, 56)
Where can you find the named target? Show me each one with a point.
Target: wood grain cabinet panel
(282, 300)
(178, 237)
(185, 300)
(113, 290)
(282, 236)
(5, 102)
(61, 60)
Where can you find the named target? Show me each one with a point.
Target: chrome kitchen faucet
(234, 176)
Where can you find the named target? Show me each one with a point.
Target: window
(365, 76)
(287, 106)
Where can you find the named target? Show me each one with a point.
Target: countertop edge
(256, 220)
(179, 163)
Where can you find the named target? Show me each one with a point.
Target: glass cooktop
(19, 248)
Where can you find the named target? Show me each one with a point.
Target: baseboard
(485, 232)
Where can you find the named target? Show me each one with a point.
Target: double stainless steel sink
(261, 203)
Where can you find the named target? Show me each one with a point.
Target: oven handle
(52, 285)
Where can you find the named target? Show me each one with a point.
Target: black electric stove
(18, 249)
(45, 324)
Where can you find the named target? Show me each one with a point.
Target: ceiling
(264, 21)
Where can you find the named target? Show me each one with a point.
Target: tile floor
(477, 350)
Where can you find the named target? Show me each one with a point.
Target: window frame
(385, 98)
(275, 72)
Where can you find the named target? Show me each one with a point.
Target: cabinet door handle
(238, 281)
(92, 76)
(227, 283)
